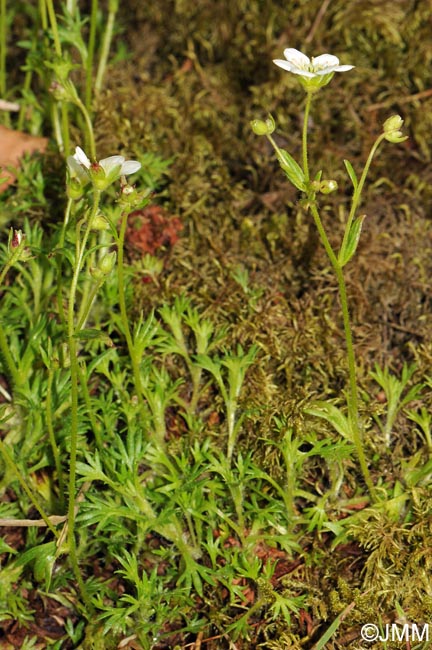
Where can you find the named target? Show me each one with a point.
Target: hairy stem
(352, 369)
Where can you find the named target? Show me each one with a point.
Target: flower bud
(74, 189)
(99, 223)
(392, 129)
(16, 249)
(63, 91)
(326, 187)
(96, 273)
(17, 237)
(393, 123)
(131, 199)
(105, 266)
(261, 127)
(107, 263)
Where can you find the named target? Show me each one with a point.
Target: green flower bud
(261, 127)
(326, 187)
(96, 273)
(16, 238)
(64, 91)
(74, 189)
(392, 129)
(107, 263)
(99, 223)
(16, 249)
(131, 199)
(393, 123)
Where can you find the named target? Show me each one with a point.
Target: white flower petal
(336, 68)
(287, 66)
(76, 169)
(298, 59)
(283, 64)
(81, 157)
(325, 61)
(109, 163)
(303, 73)
(130, 167)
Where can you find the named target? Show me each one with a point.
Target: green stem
(24, 484)
(4, 346)
(25, 89)
(352, 370)
(3, 47)
(80, 250)
(84, 312)
(64, 141)
(73, 351)
(358, 191)
(59, 289)
(52, 439)
(54, 28)
(123, 311)
(90, 139)
(85, 391)
(56, 126)
(11, 365)
(90, 55)
(304, 138)
(106, 44)
(86, 289)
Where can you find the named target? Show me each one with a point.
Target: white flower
(315, 72)
(101, 173)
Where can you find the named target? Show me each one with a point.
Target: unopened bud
(392, 129)
(263, 127)
(105, 266)
(99, 223)
(74, 189)
(16, 249)
(326, 187)
(107, 263)
(393, 123)
(63, 91)
(16, 238)
(126, 189)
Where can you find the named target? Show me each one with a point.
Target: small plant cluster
(126, 465)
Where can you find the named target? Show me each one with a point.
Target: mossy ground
(198, 72)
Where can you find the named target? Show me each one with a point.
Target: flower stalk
(314, 74)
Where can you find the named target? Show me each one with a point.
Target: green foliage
(394, 389)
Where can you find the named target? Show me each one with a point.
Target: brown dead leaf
(13, 145)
